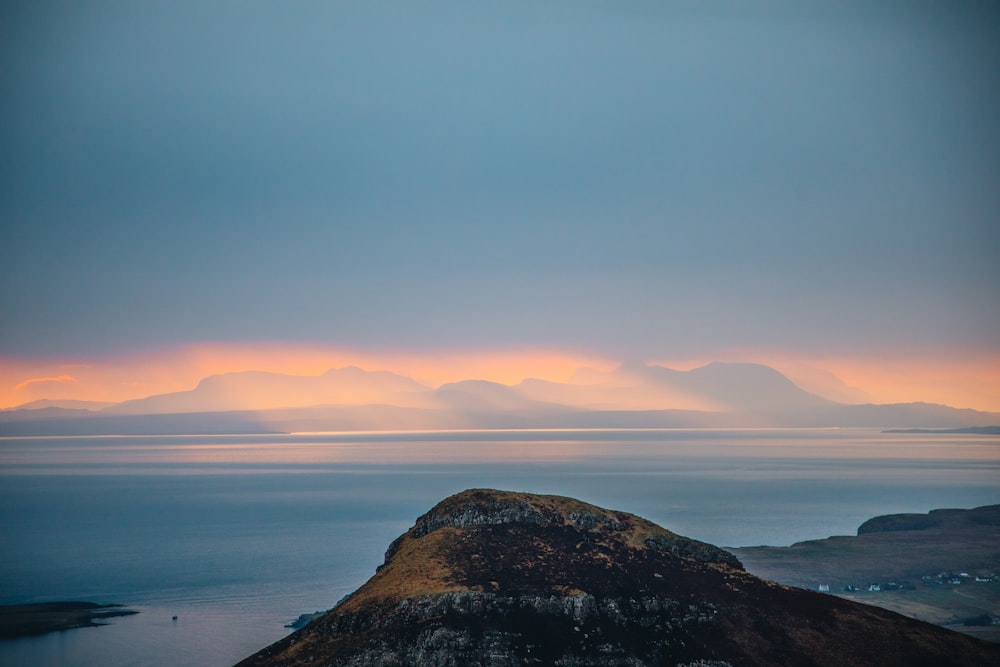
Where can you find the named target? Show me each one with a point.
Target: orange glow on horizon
(969, 381)
(961, 380)
(45, 380)
(115, 379)
(962, 383)
(432, 368)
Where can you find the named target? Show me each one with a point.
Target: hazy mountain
(257, 390)
(615, 392)
(824, 384)
(500, 578)
(717, 387)
(719, 395)
(751, 388)
(479, 395)
(40, 414)
(65, 404)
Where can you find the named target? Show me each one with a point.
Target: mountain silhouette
(634, 395)
(258, 390)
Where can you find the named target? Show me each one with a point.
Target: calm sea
(238, 535)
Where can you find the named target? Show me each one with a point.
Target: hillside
(501, 578)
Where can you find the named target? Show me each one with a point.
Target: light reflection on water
(240, 534)
(24, 455)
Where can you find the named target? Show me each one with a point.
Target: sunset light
(441, 332)
(968, 381)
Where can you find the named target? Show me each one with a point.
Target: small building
(824, 588)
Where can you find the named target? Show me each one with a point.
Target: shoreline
(27, 620)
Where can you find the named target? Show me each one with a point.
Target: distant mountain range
(718, 395)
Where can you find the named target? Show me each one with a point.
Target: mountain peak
(491, 507)
(747, 368)
(632, 366)
(483, 561)
(497, 577)
(482, 507)
(346, 370)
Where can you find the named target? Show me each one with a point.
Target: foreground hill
(498, 578)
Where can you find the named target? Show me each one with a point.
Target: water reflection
(315, 451)
(240, 534)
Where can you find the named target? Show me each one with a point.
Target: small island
(24, 620)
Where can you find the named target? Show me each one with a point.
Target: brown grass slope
(499, 578)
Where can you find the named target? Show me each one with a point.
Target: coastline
(26, 620)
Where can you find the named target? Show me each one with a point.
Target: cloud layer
(648, 179)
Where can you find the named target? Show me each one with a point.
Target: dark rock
(23, 620)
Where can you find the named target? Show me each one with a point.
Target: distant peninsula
(974, 430)
(24, 620)
(940, 567)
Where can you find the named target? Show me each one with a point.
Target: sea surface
(238, 535)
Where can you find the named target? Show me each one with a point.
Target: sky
(535, 182)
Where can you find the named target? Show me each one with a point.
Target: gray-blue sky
(638, 177)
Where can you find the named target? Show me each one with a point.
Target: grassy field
(943, 606)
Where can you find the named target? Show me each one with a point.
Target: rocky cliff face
(497, 578)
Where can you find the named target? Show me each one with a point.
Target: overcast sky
(634, 178)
